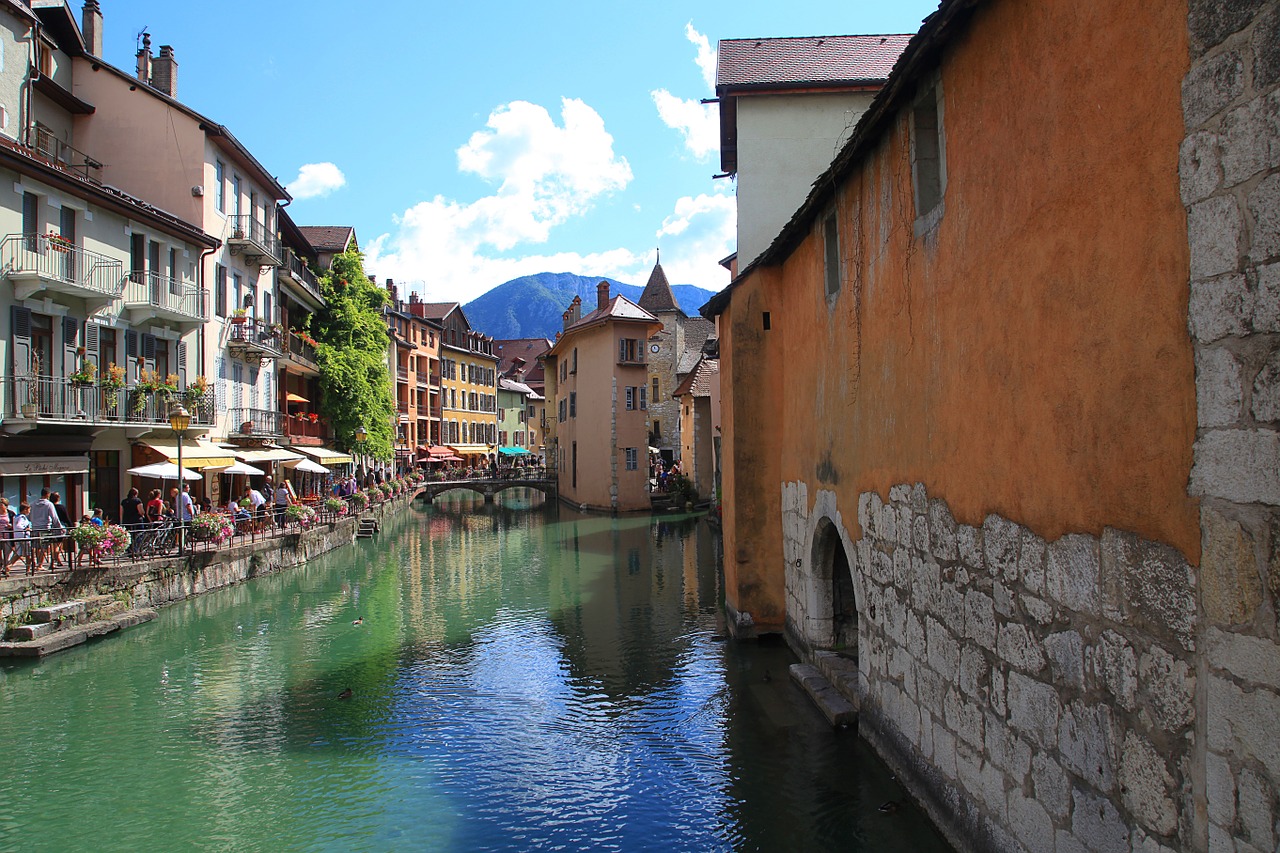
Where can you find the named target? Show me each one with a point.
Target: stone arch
(837, 598)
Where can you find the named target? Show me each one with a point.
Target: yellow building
(468, 385)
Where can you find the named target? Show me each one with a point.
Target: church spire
(657, 295)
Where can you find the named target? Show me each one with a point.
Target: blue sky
(472, 143)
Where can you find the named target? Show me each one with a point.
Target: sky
(473, 143)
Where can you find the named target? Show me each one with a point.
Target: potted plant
(31, 405)
(212, 527)
(59, 243)
(84, 374)
(112, 378)
(239, 317)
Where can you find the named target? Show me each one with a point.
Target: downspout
(200, 279)
(33, 63)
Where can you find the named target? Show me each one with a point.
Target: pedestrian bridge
(544, 482)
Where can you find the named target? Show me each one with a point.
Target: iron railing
(55, 258)
(247, 230)
(295, 427)
(245, 421)
(56, 398)
(166, 293)
(301, 349)
(302, 273)
(45, 142)
(251, 333)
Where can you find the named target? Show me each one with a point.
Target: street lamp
(180, 420)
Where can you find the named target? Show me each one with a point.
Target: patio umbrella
(164, 471)
(307, 466)
(243, 468)
(294, 398)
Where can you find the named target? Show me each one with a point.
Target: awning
(294, 398)
(470, 449)
(242, 468)
(18, 466)
(438, 450)
(512, 451)
(196, 453)
(269, 454)
(325, 455)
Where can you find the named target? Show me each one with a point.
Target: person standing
(65, 544)
(258, 504)
(22, 537)
(281, 503)
(45, 527)
(187, 510)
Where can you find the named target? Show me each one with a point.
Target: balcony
(45, 143)
(293, 267)
(424, 380)
(302, 354)
(402, 374)
(304, 431)
(250, 238)
(38, 262)
(253, 339)
(149, 295)
(255, 423)
(44, 400)
(402, 409)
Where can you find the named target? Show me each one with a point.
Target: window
(560, 413)
(644, 404)
(235, 194)
(235, 289)
(633, 459)
(574, 369)
(628, 350)
(573, 404)
(655, 395)
(928, 165)
(564, 370)
(219, 186)
(631, 398)
(831, 250)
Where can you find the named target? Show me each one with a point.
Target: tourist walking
(6, 535)
(281, 503)
(66, 544)
(46, 529)
(187, 510)
(22, 538)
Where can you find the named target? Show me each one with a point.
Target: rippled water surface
(524, 678)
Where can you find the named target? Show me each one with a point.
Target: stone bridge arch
(487, 488)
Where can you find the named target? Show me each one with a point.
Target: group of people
(662, 476)
(36, 533)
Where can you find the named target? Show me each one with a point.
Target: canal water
(478, 677)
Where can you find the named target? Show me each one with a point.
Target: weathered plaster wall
(1231, 187)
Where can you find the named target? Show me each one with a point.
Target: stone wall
(1230, 181)
(157, 582)
(1035, 695)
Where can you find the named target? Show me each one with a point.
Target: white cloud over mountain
(316, 180)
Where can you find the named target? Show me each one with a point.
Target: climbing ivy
(351, 347)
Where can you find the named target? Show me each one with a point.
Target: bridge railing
(542, 474)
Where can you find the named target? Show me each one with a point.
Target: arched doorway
(835, 582)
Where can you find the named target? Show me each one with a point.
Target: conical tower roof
(657, 295)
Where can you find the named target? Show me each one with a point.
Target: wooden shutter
(21, 340)
(93, 344)
(131, 362)
(149, 352)
(181, 358)
(70, 341)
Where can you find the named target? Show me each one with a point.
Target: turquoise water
(523, 678)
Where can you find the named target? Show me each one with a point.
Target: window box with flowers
(239, 317)
(59, 243)
(85, 374)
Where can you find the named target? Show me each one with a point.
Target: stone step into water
(838, 710)
(65, 639)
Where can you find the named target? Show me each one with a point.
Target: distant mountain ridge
(531, 306)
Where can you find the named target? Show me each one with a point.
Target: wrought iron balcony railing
(300, 272)
(299, 348)
(254, 337)
(170, 296)
(44, 141)
(251, 237)
(58, 399)
(36, 262)
(256, 422)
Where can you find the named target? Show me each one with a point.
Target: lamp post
(180, 420)
(361, 437)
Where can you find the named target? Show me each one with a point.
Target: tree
(351, 348)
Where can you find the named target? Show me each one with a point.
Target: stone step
(59, 640)
(34, 631)
(838, 710)
(56, 612)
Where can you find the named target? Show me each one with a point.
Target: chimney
(91, 24)
(164, 73)
(391, 288)
(564, 319)
(602, 295)
(144, 59)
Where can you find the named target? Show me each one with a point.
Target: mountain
(531, 306)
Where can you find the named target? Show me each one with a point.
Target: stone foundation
(158, 582)
(1037, 695)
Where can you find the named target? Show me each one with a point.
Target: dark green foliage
(351, 345)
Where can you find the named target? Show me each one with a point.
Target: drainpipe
(200, 277)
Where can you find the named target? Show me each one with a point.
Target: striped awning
(325, 455)
(197, 453)
(471, 449)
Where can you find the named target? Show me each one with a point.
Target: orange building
(598, 376)
(977, 469)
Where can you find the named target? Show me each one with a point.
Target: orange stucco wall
(1030, 356)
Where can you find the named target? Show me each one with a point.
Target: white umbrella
(307, 466)
(165, 471)
(243, 468)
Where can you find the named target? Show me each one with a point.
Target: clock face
(653, 347)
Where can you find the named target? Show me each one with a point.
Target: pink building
(597, 373)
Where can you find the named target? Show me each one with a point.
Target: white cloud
(316, 180)
(706, 58)
(697, 122)
(696, 237)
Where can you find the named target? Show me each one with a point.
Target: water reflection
(502, 676)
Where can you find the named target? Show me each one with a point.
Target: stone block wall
(1230, 183)
(1039, 695)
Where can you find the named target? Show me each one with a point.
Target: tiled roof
(525, 348)
(688, 361)
(328, 238)
(810, 60)
(657, 295)
(619, 308)
(438, 310)
(698, 383)
(512, 385)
